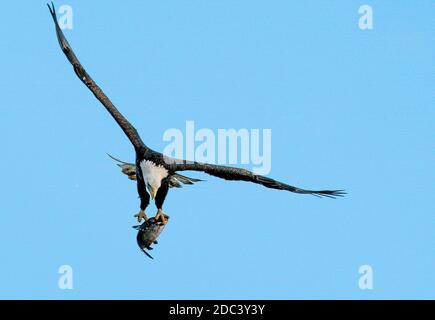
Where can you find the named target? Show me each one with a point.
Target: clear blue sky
(347, 108)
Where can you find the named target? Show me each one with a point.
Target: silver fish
(147, 234)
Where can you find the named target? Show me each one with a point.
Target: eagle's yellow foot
(161, 216)
(141, 215)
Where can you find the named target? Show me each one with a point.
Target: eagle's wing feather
(126, 126)
(231, 173)
(177, 180)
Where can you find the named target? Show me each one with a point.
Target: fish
(147, 234)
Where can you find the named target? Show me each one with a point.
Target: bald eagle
(153, 171)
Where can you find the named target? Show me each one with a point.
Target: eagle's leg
(144, 200)
(160, 198)
(141, 215)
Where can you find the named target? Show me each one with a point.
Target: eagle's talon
(141, 215)
(160, 216)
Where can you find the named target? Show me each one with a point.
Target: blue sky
(347, 108)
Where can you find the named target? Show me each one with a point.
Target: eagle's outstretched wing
(231, 173)
(126, 126)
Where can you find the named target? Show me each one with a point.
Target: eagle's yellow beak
(153, 193)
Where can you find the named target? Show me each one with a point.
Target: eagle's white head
(152, 175)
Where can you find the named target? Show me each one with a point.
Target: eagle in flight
(154, 172)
